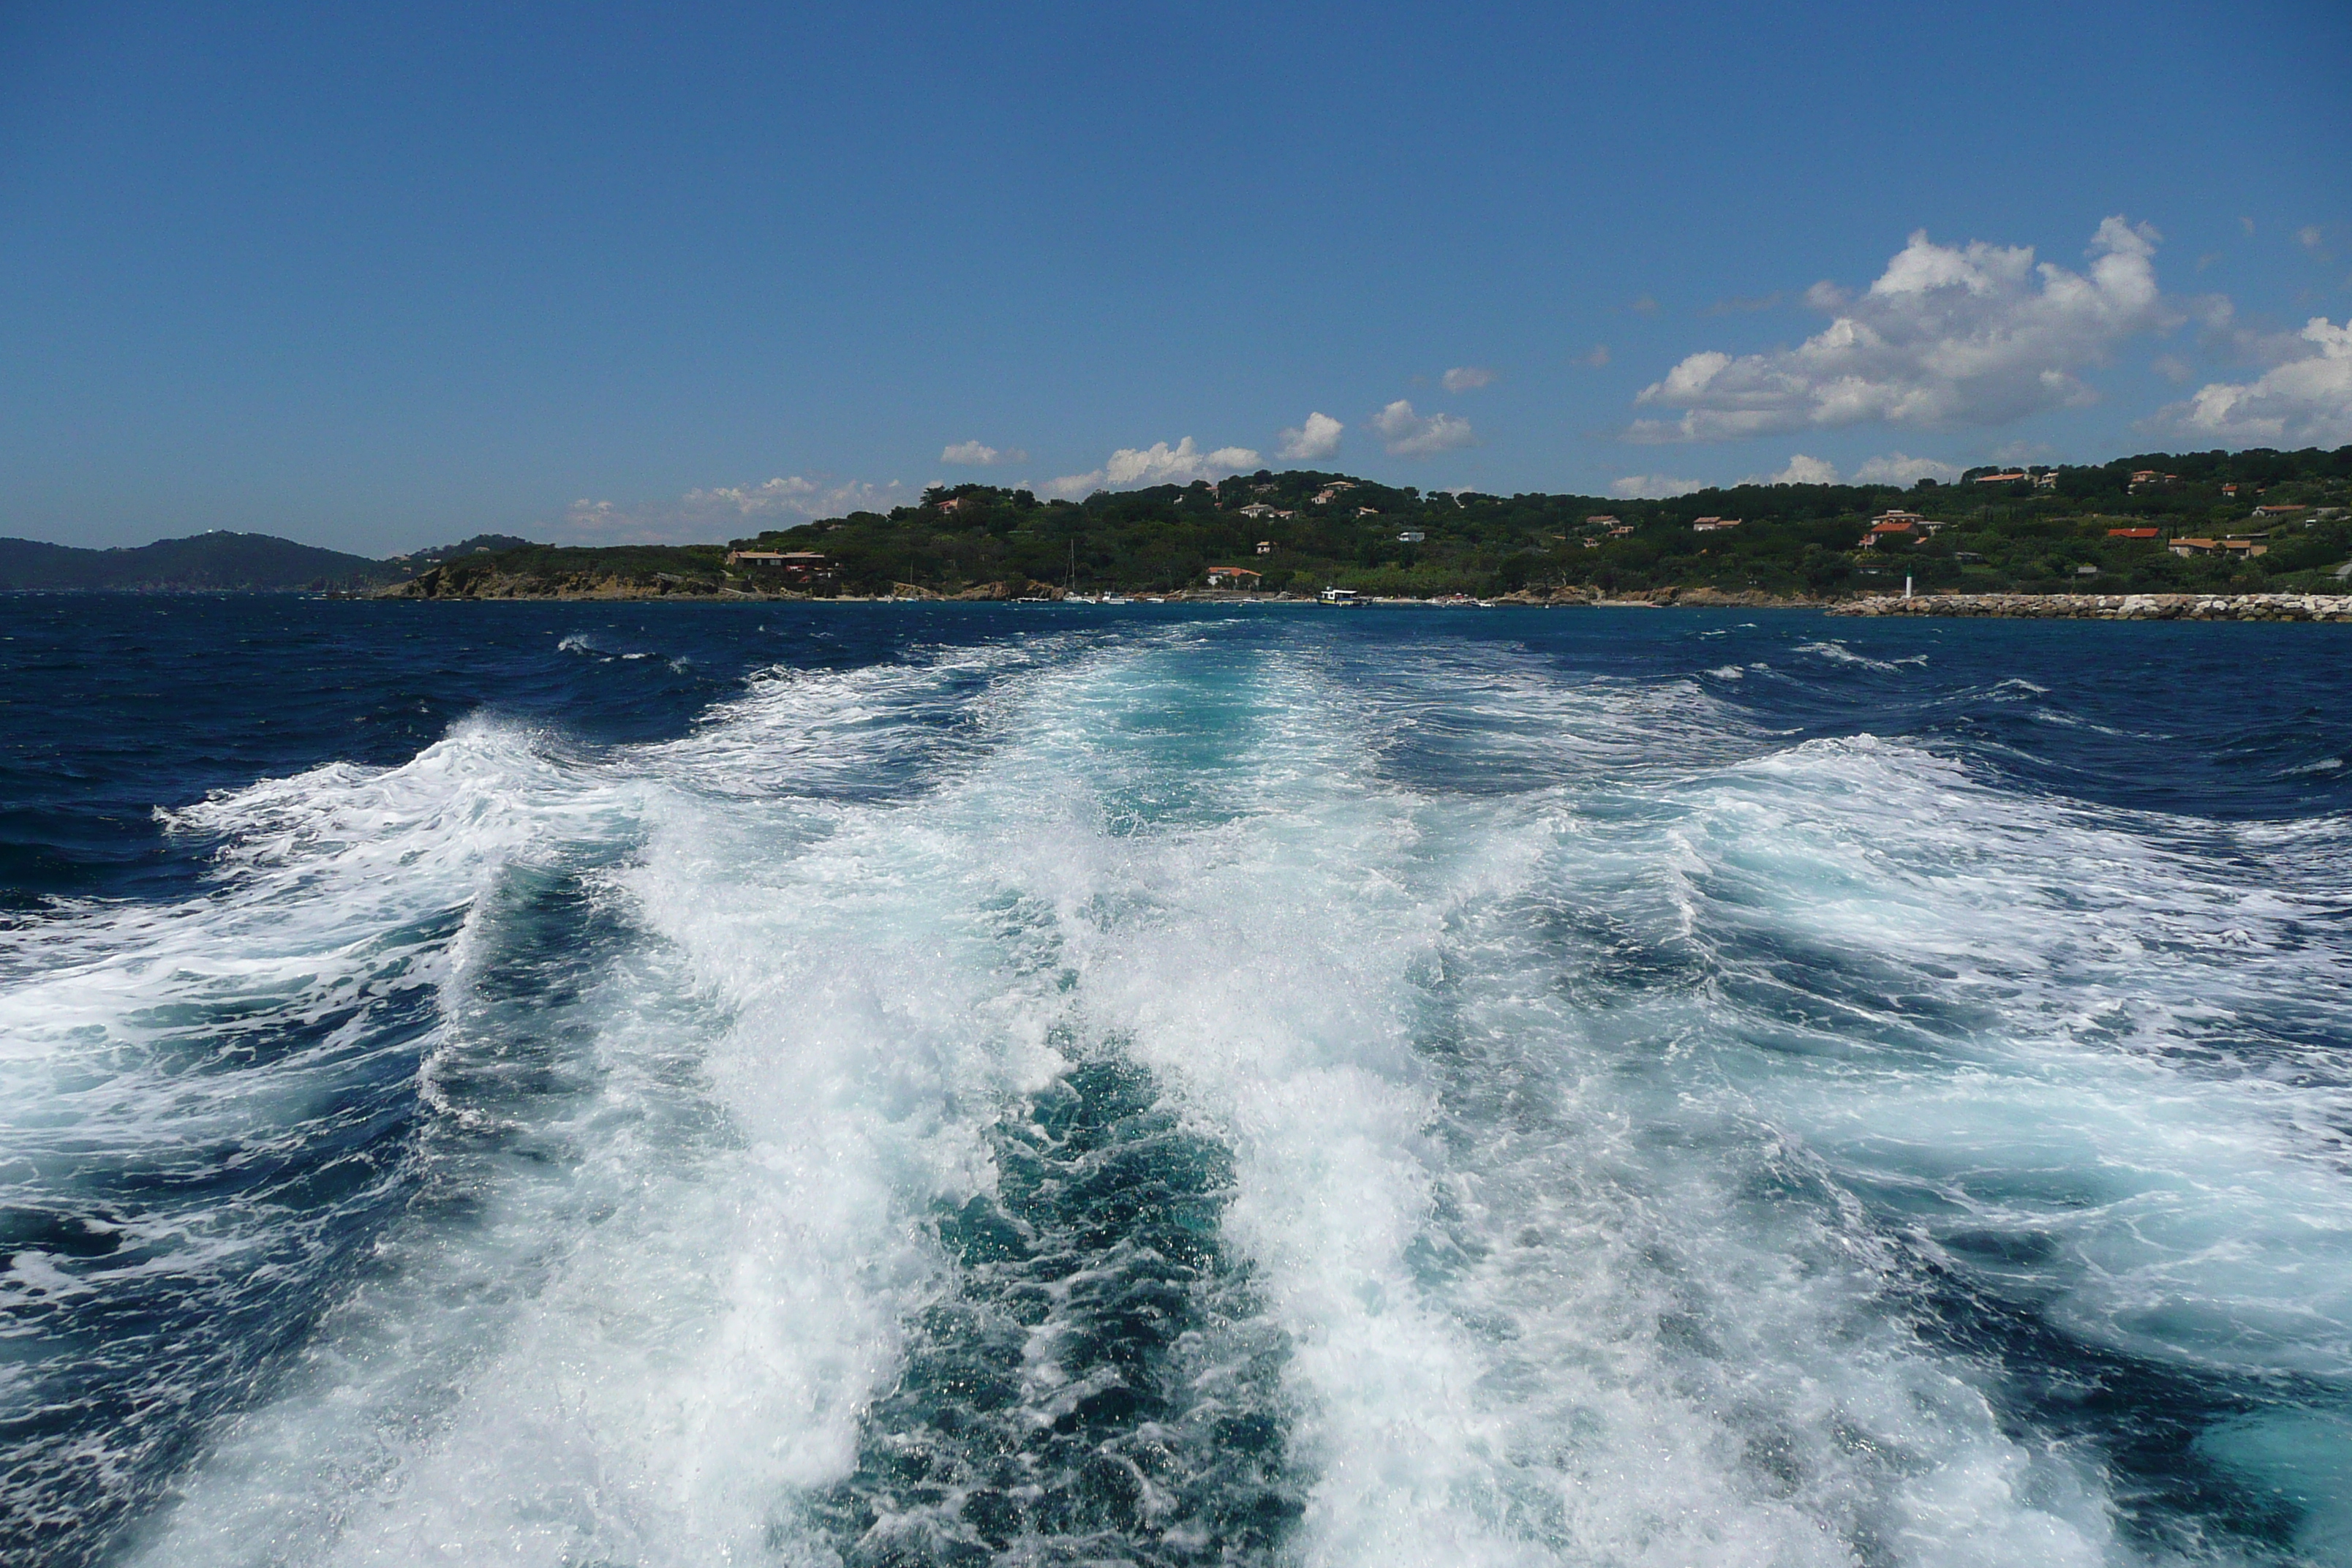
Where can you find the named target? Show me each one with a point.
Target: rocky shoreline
(2337, 607)
(435, 585)
(2112, 606)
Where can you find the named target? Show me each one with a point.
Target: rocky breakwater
(1699, 598)
(2112, 606)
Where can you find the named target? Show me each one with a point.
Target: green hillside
(2275, 520)
(2034, 534)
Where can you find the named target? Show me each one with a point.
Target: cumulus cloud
(1802, 471)
(1467, 378)
(601, 517)
(1652, 487)
(1311, 442)
(977, 455)
(1949, 335)
(2306, 401)
(1894, 468)
(796, 497)
(1889, 468)
(1157, 464)
(1409, 434)
(703, 515)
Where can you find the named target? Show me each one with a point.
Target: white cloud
(1802, 471)
(1157, 464)
(795, 496)
(2172, 367)
(1598, 357)
(1948, 335)
(1467, 378)
(1894, 468)
(1652, 487)
(2307, 401)
(1160, 464)
(976, 455)
(2309, 235)
(705, 515)
(1889, 468)
(1308, 442)
(597, 516)
(1410, 435)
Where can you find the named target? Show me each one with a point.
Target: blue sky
(380, 277)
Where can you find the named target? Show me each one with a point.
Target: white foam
(2117, 999)
(1559, 1213)
(1836, 652)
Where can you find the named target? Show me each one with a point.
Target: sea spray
(1230, 1089)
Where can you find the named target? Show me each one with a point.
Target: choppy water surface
(572, 1084)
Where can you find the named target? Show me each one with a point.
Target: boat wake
(1179, 1097)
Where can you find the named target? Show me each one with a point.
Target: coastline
(2315, 607)
(2334, 607)
(661, 586)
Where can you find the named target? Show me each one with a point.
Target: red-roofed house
(799, 568)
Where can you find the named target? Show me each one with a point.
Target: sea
(835, 1084)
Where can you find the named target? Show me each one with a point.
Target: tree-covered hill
(2113, 526)
(218, 560)
(528, 571)
(1318, 530)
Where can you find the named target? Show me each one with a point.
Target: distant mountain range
(220, 560)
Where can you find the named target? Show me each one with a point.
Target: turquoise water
(556, 1083)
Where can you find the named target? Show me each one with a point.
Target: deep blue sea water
(877, 1084)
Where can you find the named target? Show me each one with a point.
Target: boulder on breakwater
(2112, 606)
